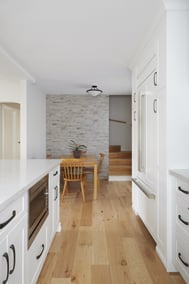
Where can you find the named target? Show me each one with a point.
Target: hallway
(103, 242)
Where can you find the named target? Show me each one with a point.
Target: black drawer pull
(6, 222)
(12, 247)
(38, 256)
(185, 222)
(56, 191)
(184, 191)
(5, 255)
(55, 173)
(155, 78)
(185, 263)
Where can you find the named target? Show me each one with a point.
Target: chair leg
(98, 183)
(85, 182)
(64, 189)
(82, 190)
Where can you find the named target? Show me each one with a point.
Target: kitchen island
(21, 262)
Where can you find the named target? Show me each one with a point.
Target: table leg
(95, 182)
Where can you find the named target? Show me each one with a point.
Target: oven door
(38, 207)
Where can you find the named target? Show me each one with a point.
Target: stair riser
(114, 148)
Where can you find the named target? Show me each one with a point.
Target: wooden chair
(73, 172)
(91, 170)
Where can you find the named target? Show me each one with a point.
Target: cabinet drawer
(182, 255)
(182, 215)
(37, 254)
(9, 216)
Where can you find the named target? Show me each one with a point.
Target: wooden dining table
(87, 161)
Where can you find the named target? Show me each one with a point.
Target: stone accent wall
(84, 119)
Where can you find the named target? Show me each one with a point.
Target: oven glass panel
(38, 207)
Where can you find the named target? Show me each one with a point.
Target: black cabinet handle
(55, 173)
(185, 222)
(6, 222)
(38, 256)
(5, 255)
(134, 97)
(155, 78)
(12, 247)
(155, 105)
(182, 190)
(185, 263)
(56, 191)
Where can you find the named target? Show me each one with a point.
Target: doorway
(10, 131)
(120, 137)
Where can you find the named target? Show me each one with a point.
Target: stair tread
(120, 161)
(122, 154)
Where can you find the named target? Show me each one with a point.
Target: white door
(148, 133)
(10, 129)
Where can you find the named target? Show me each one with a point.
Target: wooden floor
(103, 242)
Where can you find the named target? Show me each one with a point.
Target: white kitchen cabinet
(13, 251)
(148, 125)
(36, 255)
(54, 202)
(146, 141)
(180, 225)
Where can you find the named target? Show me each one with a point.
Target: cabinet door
(16, 251)
(4, 261)
(148, 125)
(54, 196)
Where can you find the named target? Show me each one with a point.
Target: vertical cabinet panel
(4, 262)
(12, 255)
(146, 148)
(54, 202)
(148, 125)
(16, 250)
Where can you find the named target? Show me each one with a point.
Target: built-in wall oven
(38, 208)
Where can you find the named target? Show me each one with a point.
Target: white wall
(32, 115)
(9, 90)
(120, 133)
(178, 88)
(36, 122)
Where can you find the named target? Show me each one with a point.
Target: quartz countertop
(17, 176)
(181, 173)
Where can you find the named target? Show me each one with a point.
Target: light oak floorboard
(103, 242)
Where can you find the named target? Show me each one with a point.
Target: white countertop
(17, 176)
(181, 173)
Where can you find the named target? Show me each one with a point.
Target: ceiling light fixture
(94, 91)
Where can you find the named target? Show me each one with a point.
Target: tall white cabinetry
(146, 136)
(160, 138)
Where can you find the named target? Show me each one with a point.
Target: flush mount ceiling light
(94, 91)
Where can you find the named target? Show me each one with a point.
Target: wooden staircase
(120, 162)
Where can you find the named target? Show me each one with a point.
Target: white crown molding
(176, 5)
(20, 68)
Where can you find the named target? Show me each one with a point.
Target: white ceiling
(68, 45)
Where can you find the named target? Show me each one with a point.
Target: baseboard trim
(119, 178)
(161, 256)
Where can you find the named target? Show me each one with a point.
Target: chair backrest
(72, 171)
(100, 162)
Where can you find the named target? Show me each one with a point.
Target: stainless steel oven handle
(144, 189)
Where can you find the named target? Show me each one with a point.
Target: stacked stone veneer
(84, 119)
